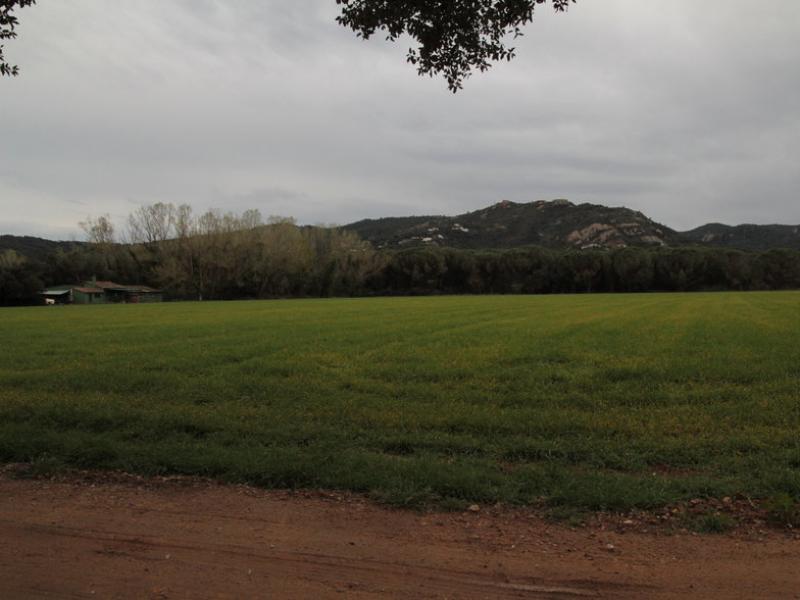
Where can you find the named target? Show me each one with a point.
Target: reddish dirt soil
(162, 539)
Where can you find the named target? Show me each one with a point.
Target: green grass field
(582, 402)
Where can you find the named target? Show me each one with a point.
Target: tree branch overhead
(455, 37)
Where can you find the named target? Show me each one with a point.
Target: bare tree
(251, 219)
(99, 230)
(151, 224)
(224, 255)
(183, 221)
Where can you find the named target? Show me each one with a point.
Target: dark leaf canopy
(8, 23)
(455, 37)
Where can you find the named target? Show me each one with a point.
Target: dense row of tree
(543, 271)
(20, 279)
(229, 256)
(225, 255)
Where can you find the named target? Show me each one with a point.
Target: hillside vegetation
(224, 256)
(34, 247)
(592, 401)
(556, 224)
(563, 225)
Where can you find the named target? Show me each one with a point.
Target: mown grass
(583, 402)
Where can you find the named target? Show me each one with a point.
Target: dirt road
(163, 540)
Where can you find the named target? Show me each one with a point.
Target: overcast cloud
(687, 111)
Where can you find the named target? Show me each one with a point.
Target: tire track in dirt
(73, 539)
(318, 566)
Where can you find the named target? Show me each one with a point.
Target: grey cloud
(687, 115)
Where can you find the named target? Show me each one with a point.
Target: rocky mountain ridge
(552, 224)
(562, 224)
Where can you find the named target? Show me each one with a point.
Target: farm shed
(133, 294)
(67, 294)
(88, 295)
(57, 295)
(101, 292)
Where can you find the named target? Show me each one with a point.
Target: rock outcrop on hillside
(562, 224)
(551, 224)
(555, 224)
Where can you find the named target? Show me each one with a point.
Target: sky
(686, 111)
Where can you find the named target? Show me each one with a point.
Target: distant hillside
(33, 247)
(552, 224)
(555, 224)
(562, 224)
(745, 237)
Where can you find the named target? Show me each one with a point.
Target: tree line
(217, 255)
(225, 256)
(544, 271)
